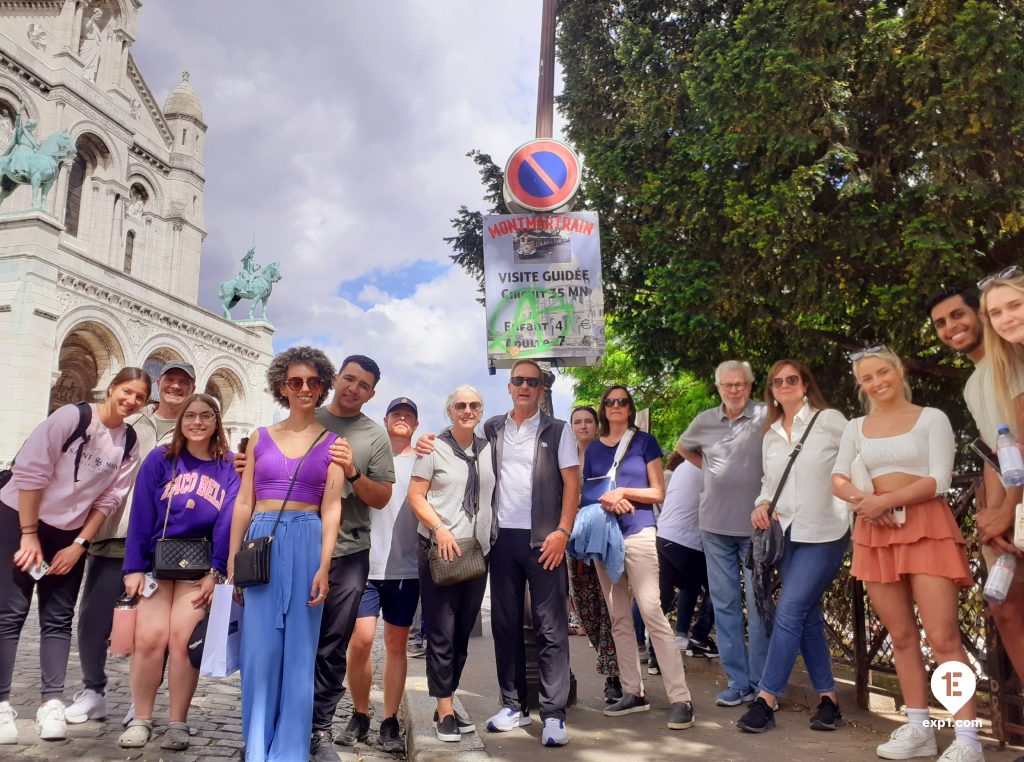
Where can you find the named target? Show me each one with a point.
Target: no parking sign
(542, 175)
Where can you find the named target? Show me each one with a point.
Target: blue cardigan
(596, 536)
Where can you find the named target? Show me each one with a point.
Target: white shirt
(806, 506)
(515, 487)
(679, 520)
(980, 395)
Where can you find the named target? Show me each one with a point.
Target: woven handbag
(469, 565)
(252, 561)
(183, 558)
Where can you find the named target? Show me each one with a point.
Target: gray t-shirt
(371, 454)
(731, 450)
(447, 474)
(394, 547)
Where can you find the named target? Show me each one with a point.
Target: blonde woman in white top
(908, 452)
(816, 527)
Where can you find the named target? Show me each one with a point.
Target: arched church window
(76, 181)
(129, 248)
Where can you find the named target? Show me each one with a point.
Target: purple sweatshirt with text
(202, 495)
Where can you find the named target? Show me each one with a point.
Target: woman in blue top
(639, 483)
(190, 485)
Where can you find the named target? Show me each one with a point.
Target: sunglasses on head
(779, 381)
(533, 383)
(860, 354)
(1009, 272)
(314, 384)
(617, 402)
(460, 407)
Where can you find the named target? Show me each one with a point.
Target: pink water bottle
(122, 631)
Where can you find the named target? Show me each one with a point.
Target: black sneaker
(448, 729)
(464, 724)
(612, 690)
(758, 718)
(652, 663)
(708, 649)
(358, 729)
(320, 747)
(828, 716)
(680, 716)
(627, 705)
(390, 738)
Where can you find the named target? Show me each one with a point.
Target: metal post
(546, 72)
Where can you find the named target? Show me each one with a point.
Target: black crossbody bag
(252, 561)
(184, 558)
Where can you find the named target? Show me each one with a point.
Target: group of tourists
(326, 521)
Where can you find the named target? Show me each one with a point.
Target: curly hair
(277, 373)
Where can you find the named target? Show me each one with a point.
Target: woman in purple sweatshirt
(194, 476)
(64, 483)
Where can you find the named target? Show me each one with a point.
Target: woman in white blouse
(907, 547)
(816, 527)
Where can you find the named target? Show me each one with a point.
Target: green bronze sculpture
(252, 283)
(26, 162)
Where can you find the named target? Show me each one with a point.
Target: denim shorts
(397, 598)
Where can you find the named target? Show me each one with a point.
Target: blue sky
(337, 139)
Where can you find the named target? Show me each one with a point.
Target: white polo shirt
(515, 487)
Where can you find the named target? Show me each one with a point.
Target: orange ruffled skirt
(929, 542)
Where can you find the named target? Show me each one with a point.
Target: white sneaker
(129, 715)
(682, 642)
(909, 741)
(50, 721)
(958, 751)
(554, 733)
(8, 730)
(506, 719)
(89, 705)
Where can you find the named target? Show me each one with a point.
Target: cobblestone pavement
(215, 717)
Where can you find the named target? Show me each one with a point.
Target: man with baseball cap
(103, 581)
(392, 589)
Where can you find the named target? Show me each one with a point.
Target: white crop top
(927, 449)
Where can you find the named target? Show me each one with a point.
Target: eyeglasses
(204, 417)
(314, 384)
(533, 383)
(778, 382)
(461, 407)
(1009, 272)
(860, 354)
(734, 387)
(617, 402)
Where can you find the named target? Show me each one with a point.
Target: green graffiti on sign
(534, 329)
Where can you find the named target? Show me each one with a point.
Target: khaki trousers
(640, 581)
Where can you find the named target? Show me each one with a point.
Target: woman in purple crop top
(281, 619)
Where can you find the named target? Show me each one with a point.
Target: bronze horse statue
(256, 287)
(38, 168)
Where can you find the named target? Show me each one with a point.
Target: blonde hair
(1006, 358)
(888, 356)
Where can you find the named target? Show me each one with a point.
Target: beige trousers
(640, 581)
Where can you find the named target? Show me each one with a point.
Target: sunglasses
(533, 383)
(860, 354)
(205, 417)
(314, 384)
(1009, 272)
(461, 407)
(779, 382)
(617, 402)
(734, 387)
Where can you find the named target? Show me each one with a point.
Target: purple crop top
(274, 471)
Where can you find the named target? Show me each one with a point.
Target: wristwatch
(355, 477)
(83, 542)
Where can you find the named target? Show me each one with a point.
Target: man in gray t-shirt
(725, 443)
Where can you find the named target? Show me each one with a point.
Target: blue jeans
(807, 571)
(725, 556)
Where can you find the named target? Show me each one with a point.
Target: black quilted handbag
(469, 565)
(252, 561)
(180, 557)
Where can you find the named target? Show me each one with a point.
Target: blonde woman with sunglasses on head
(907, 547)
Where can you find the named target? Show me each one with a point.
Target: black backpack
(84, 419)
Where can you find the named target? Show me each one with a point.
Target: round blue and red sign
(542, 175)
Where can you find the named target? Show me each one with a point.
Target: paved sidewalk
(214, 718)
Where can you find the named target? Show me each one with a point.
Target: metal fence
(858, 639)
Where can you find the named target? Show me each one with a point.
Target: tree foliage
(781, 178)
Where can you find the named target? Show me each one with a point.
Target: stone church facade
(107, 273)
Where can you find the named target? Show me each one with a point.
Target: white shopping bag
(223, 634)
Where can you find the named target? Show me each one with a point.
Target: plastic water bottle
(1000, 577)
(1011, 464)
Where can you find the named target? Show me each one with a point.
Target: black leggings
(57, 595)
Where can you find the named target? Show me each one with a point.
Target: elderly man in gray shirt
(725, 443)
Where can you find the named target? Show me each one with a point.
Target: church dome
(183, 99)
